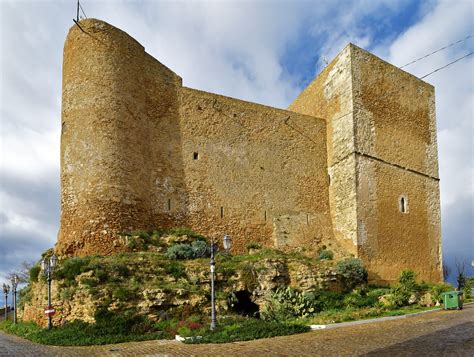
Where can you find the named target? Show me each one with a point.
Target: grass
(115, 329)
(240, 329)
(353, 314)
(79, 333)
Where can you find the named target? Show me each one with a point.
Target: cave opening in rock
(243, 305)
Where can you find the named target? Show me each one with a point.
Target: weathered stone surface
(258, 278)
(381, 130)
(140, 151)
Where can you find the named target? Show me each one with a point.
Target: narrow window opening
(403, 205)
(307, 219)
(195, 156)
(222, 212)
(169, 204)
(265, 215)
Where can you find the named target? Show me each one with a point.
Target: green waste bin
(452, 300)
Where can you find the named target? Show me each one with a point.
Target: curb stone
(349, 323)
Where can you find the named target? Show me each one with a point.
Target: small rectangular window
(195, 156)
(403, 204)
(222, 212)
(169, 204)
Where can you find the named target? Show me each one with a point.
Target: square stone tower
(382, 162)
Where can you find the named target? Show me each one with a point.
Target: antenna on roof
(78, 17)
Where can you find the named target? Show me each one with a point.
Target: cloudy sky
(262, 51)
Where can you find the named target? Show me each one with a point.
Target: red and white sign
(49, 311)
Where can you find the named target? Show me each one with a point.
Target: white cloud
(448, 22)
(231, 48)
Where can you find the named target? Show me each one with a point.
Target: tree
(446, 270)
(23, 272)
(460, 275)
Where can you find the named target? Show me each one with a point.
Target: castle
(352, 164)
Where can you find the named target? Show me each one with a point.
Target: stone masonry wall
(260, 173)
(381, 147)
(141, 152)
(117, 110)
(130, 133)
(395, 131)
(329, 96)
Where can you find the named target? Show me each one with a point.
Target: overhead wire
(436, 51)
(447, 65)
(82, 10)
(335, 97)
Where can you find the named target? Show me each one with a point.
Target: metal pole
(50, 322)
(6, 307)
(213, 300)
(14, 306)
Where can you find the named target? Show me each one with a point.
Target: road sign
(49, 311)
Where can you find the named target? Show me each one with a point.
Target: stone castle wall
(119, 106)
(395, 133)
(382, 126)
(139, 151)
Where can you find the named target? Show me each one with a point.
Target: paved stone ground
(443, 333)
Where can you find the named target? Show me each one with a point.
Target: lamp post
(6, 290)
(227, 245)
(48, 264)
(14, 280)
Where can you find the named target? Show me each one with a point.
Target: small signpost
(49, 311)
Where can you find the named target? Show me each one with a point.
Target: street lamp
(48, 264)
(14, 280)
(227, 245)
(6, 290)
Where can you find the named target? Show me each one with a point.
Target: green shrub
(248, 329)
(327, 300)
(253, 246)
(34, 273)
(89, 282)
(326, 254)
(72, 267)
(287, 303)
(358, 300)
(176, 270)
(123, 293)
(24, 296)
(467, 289)
(109, 328)
(400, 293)
(119, 270)
(199, 248)
(399, 296)
(353, 272)
(186, 232)
(437, 291)
(194, 250)
(408, 279)
(180, 251)
(248, 276)
(67, 293)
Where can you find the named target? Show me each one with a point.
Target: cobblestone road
(443, 333)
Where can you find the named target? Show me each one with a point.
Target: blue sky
(262, 51)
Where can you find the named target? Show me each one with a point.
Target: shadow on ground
(454, 341)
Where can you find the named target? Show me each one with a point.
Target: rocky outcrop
(152, 292)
